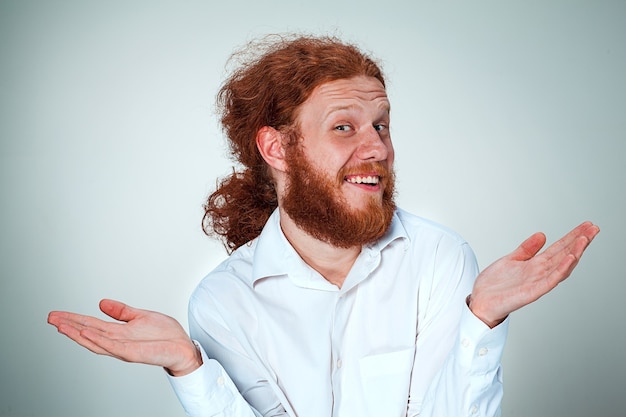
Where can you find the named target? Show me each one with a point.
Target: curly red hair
(275, 76)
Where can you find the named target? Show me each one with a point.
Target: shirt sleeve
(244, 390)
(457, 368)
(209, 391)
(470, 381)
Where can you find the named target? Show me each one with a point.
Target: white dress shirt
(397, 339)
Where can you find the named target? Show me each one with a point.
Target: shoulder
(228, 282)
(421, 229)
(443, 260)
(433, 247)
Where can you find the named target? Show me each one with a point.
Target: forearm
(209, 391)
(470, 380)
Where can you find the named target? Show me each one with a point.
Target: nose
(374, 146)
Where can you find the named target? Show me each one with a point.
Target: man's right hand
(143, 336)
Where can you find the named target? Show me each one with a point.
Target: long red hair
(274, 77)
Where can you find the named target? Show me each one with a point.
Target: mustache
(365, 168)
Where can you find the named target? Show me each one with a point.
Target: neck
(331, 262)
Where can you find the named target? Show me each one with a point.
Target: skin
(139, 336)
(343, 123)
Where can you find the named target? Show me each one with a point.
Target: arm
(469, 379)
(217, 333)
(156, 339)
(456, 369)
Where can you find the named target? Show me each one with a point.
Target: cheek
(330, 160)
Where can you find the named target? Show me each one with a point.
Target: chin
(365, 203)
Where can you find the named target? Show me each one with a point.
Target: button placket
(335, 349)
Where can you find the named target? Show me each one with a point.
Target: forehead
(360, 92)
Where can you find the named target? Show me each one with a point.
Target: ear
(269, 141)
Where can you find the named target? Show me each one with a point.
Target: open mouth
(370, 180)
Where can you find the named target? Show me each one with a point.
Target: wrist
(193, 362)
(479, 311)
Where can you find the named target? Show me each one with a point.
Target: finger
(581, 243)
(529, 247)
(569, 261)
(123, 349)
(587, 229)
(55, 317)
(574, 244)
(568, 264)
(102, 344)
(91, 333)
(563, 270)
(78, 321)
(119, 310)
(75, 333)
(569, 244)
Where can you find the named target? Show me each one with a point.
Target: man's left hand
(523, 276)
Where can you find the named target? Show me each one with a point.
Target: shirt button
(483, 351)
(465, 343)
(339, 363)
(474, 409)
(221, 381)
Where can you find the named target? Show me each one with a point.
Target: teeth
(363, 180)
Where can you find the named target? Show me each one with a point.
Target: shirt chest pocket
(386, 379)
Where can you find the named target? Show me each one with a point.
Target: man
(333, 301)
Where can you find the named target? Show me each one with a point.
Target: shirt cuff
(207, 391)
(480, 347)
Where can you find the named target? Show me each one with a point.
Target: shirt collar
(274, 255)
(396, 231)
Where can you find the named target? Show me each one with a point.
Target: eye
(380, 127)
(343, 128)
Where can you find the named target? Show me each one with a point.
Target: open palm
(524, 275)
(140, 336)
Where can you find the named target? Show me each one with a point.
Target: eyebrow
(386, 107)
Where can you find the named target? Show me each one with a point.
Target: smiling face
(340, 180)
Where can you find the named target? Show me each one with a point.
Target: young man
(333, 301)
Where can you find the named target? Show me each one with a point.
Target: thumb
(529, 247)
(118, 310)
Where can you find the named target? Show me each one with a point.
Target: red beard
(314, 202)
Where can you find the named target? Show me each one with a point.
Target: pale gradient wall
(508, 117)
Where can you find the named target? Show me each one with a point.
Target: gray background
(508, 118)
